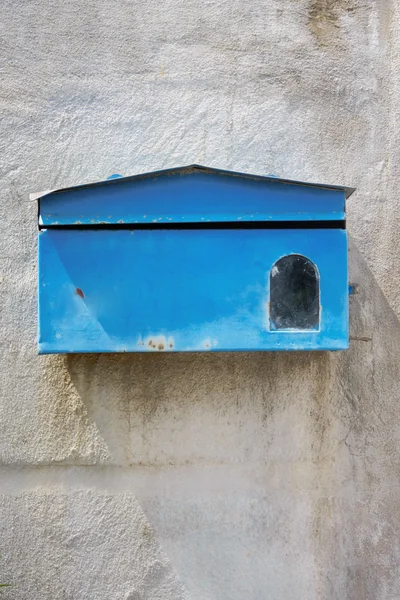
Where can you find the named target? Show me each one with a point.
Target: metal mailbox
(193, 259)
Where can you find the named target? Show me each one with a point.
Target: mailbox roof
(191, 169)
(191, 194)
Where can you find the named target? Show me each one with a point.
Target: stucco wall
(204, 477)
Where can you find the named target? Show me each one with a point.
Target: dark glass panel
(294, 294)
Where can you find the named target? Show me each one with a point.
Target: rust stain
(158, 342)
(79, 293)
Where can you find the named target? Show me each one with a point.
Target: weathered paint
(115, 291)
(193, 195)
(189, 256)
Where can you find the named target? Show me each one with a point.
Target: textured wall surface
(204, 477)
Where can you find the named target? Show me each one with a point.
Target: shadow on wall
(189, 408)
(180, 408)
(309, 441)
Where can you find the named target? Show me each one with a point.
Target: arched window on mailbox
(294, 294)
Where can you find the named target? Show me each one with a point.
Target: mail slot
(193, 259)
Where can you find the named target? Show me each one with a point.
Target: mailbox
(193, 259)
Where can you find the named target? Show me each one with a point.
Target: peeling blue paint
(168, 288)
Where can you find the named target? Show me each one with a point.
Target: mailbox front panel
(190, 290)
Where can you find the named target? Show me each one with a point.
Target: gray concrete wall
(204, 477)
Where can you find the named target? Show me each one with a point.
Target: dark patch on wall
(323, 17)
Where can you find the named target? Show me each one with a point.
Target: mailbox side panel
(181, 290)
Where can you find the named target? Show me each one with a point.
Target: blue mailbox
(193, 259)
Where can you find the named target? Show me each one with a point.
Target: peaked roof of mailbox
(196, 169)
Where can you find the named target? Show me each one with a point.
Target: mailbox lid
(182, 290)
(192, 194)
